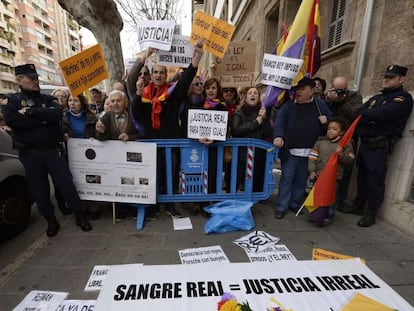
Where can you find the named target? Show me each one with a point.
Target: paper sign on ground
(256, 241)
(77, 305)
(113, 170)
(322, 254)
(272, 254)
(237, 67)
(40, 300)
(180, 54)
(296, 285)
(209, 254)
(215, 33)
(99, 274)
(157, 34)
(361, 302)
(210, 124)
(182, 223)
(280, 71)
(84, 70)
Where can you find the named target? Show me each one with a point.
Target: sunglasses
(197, 84)
(225, 90)
(145, 73)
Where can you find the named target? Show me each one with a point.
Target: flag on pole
(323, 192)
(312, 59)
(294, 45)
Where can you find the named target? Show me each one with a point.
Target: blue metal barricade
(194, 171)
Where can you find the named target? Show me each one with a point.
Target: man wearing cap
(383, 118)
(298, 125)
(35, 120)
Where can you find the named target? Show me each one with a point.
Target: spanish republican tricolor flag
(301, 43)
(323, 192)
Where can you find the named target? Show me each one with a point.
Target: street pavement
(31, 261)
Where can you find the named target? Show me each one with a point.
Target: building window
(337, 25)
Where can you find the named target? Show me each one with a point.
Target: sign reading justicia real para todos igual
(290, 285)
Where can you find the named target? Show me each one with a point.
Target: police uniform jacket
(385, 114)
(39, 126)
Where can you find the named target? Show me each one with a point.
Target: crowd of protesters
(306, 126)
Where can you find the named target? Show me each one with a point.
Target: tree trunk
(103, 19)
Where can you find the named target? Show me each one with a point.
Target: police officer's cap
(395, 70)
(305, 81)
(27, 70)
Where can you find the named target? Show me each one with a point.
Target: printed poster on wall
(113, 170)
(290, 285)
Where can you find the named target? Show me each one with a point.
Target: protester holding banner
(138, 71)
(35, 120)
(157, 107)
(298, 125)
(194, 100)
(97, 100)
(251, 121)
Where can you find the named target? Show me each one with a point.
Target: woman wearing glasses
(62, 95)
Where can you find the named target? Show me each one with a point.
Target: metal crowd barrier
(193, 171)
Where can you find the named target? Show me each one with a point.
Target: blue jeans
(292, 183)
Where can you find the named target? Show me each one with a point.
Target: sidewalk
(63, 263)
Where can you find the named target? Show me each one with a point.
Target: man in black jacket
(35, 121)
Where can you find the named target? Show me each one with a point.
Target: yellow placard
(321, 254)
(84, 70)
(361, 302)
(215, 33)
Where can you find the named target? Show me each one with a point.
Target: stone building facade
(359, 39)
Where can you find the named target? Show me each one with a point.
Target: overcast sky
(129, 40)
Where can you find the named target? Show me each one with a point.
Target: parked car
(15, 201)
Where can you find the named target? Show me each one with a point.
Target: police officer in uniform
(35, 121)
(383, 118)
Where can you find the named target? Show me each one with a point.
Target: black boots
(357, 208)
(369, 218)
(52, 226)
(82, 222)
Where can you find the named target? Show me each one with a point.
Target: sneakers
(171, 211)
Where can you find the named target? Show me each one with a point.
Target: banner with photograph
(180, 54)
(289, 285)
(113, 170)
(210, 124)
(280, 71)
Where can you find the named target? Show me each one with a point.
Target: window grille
(337, 25)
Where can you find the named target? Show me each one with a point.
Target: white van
(15, 201)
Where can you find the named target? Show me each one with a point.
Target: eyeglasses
(61, 96)
(145, 73)
(227, 90)
(197, 84)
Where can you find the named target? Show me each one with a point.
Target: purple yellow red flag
(323, 192)
(293, 46)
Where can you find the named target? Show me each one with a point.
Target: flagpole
(301, 208)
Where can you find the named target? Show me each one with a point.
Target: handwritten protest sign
(207, 124)
(238, 65)
(215, 33)
(157, 34)
(280, 71)
(84, 70)
(180, 54)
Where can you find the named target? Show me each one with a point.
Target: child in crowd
(319, 156)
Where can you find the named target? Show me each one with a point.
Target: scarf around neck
(211, 103)
(160, 96)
